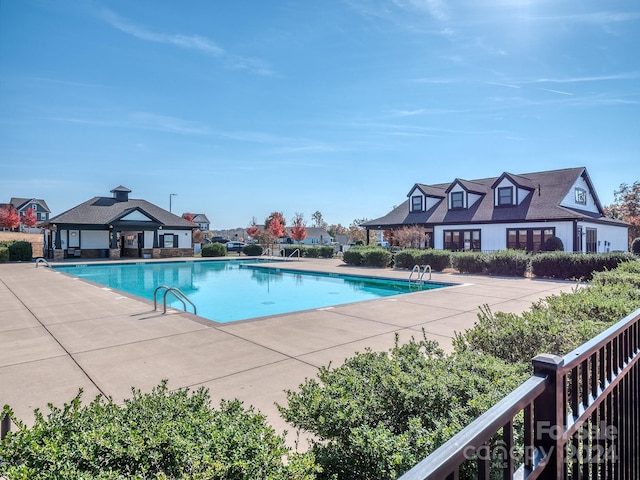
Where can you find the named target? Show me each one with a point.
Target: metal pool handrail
(177, 293)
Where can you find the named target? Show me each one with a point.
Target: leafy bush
(312, 252)
(553, 244)
(380, 413)
(518, 338)
(252, 250)
(4, 254)
(376, 257)
(438, 260)
(354, 256)
(326, 252)
(214, 250)
(557, 324)
(406, 258)
(635, 246)
(469, 262)
(510, 263)
(161, 434)
(20, 251)
(576, 265)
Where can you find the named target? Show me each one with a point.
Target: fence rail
(577, 417)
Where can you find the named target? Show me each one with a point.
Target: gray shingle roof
(542, 204)
(105, 210)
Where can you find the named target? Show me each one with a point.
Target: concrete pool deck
(59, 333)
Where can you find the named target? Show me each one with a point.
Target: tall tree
(356, 232)
(275, 224)
(29, 220)
(9, 217)
(298, 229)
(318, 221)
(626, 207)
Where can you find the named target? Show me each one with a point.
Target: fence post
(5, 426)
(548, 415)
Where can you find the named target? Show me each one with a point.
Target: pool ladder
(42, 260)
(176, 293)
(419, 275)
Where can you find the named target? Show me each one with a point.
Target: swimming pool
(231, 290)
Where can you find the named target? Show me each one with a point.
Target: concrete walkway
(59, 333)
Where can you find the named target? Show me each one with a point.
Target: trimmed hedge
(579, 266)
(19, 251)
(438, 260)
(469, 262)
(4, 254)
(367, 256)
(508, 263)
(214, 250)
(635, 246)
(252, 250)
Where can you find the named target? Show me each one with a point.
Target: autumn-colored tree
(188, 217)
(29, 220)
(298, 229)
(275, 224)
(253, 228)
(9, 217)
(411, 236)
(356, 232)
(337, 230)
(626, 207)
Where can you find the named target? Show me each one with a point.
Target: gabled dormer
(510, 190)
(462, 194)
(424, 197)
(582, 196)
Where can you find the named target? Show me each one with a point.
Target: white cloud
(190, 42)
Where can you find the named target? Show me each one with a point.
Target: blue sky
(242, 108)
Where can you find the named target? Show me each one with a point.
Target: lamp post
(171, 195)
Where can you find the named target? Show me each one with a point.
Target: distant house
(117, 227)
(200, 219)
(509, 211)
(315, 236)
(38, 205)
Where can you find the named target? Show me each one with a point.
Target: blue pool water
(227, 291)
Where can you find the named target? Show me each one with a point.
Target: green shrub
(252, 250)
(20, 252)
(161, 434)
(635, 246)
(354, 255)
(553, 244)
(578, 266)
(406, 258)
(312, 252)
(214, 250)
(438, 260)
(4, 254)
(559, 323)
(380, 413)
(469, 262)
(509, 263)
(376, 257)
(327, 252)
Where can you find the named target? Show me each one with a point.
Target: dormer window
(581, 196)
(457, 200)
(416, 203)
(505, 196)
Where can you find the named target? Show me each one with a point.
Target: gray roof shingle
(548, 189)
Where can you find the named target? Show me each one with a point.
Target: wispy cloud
(189, 42)
(595, 78)
(503, 85)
